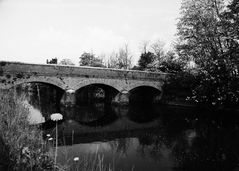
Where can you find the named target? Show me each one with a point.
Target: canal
(139, 137)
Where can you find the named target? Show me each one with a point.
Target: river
(147, 137)
(141, 137)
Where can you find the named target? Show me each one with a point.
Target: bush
(218, 85)
(171, 66)
(179, 86)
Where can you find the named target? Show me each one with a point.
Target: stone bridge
(71, 79)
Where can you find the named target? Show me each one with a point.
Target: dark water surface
(152, 137)
(138, 137)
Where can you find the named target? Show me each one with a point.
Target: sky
(35, 30)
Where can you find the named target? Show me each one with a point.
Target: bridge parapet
(72, 71)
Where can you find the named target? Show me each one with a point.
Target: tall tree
(121, 59)
(124, 58)
(199, 30)
(207, 36)
(230, 26)
(232, 18)
(144, 46)
(113, 60)
(158, 49)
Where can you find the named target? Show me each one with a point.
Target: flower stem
(56, 143)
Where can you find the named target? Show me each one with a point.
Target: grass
(93, 162)
(21, 143)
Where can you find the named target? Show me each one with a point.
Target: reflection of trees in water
(206, 140)
(212, 148)
(97, 114)
(120, 110)
(195, 141)
(121, 145)
(142, 113)
(150, 146)
(84, 113)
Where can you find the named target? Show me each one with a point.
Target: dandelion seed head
(76, 159)
(56, 116)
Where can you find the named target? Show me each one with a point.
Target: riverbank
(22, 145)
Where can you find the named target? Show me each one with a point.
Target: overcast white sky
(36, 30)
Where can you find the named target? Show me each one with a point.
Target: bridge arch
(50, 81)
(145, 94)
(145, 84)
(111, 83)
(95, 92)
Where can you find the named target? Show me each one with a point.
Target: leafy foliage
(208, 34)
(171, 64)
(199, 31)
(88, 59)
(166, 62)
(145, 60)
(179, 85)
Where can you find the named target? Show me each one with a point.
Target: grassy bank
(22, 145)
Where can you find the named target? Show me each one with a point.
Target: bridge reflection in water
(151, 137)
(112, 132)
